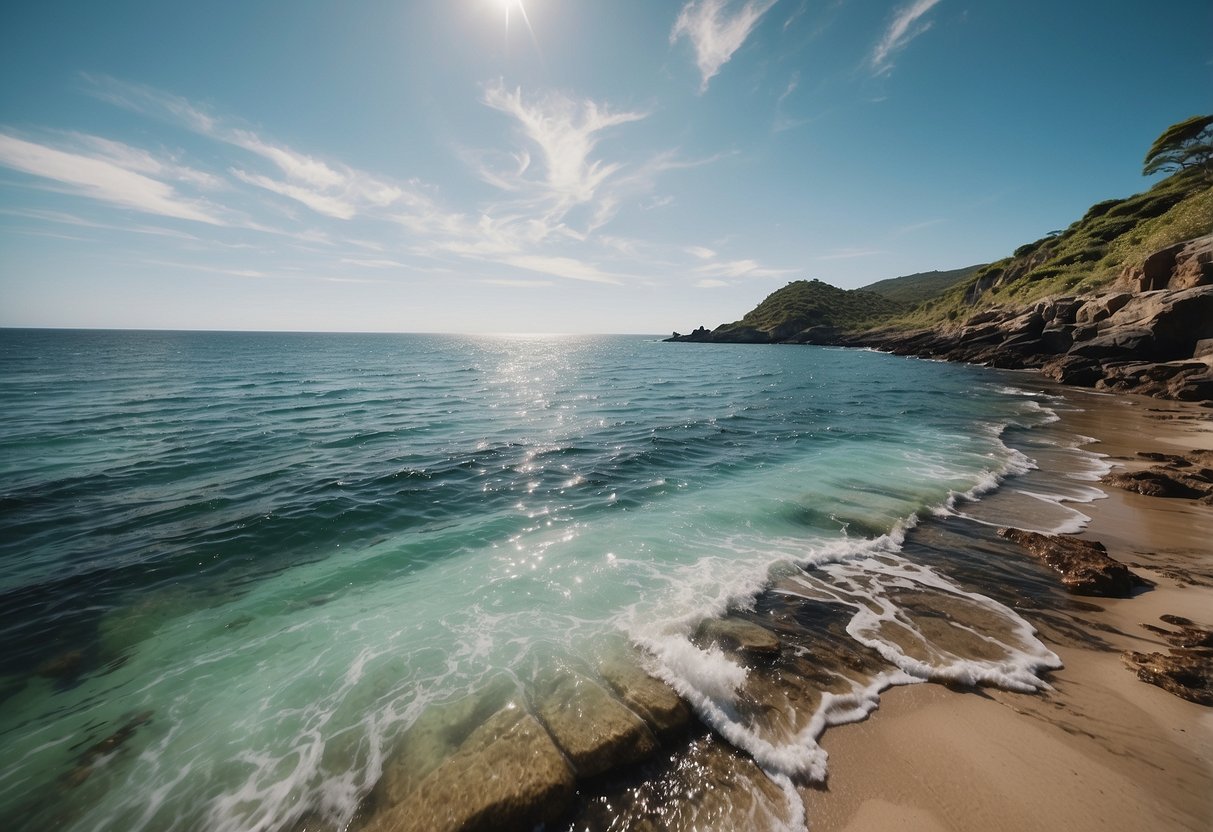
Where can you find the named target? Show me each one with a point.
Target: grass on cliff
(1090, 254)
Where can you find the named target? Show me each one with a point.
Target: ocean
(236, 569)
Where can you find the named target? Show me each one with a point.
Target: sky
(587, 166)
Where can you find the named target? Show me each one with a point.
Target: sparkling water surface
(255, 559)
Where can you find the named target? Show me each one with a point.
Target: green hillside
(916, 288)
(1088, 255)
(805, 303)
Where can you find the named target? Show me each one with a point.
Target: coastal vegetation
(918, 288)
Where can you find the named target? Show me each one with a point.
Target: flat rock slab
(594, 730)
(1084, 565)
(508, 774)
(649, 698)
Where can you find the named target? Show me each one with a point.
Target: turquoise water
(235, 567)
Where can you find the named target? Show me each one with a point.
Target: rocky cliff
(1150, 332)
(1121, 300)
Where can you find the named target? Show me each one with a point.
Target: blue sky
(551, 165)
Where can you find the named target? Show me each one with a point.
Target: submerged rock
(649, 698)
(594, 730)
(100, 751)
(508, 774)
(736, 635)
(707, 786)
(1084, 565)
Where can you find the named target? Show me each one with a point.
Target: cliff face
(1151, 331)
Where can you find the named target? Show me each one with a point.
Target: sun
(508, 6)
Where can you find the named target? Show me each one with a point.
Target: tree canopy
(1188, 144)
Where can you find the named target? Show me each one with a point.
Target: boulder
(1101, 308)
(507, 775)
(1059, 311)
(1117, 343)
(1074, 369)
(1084, 565)
(594, 730)
(1176, 320)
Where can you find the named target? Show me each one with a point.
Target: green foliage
(805, 303)
(1091, 253)
(1188, 144)
(921, 287)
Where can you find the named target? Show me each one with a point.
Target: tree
(1188, 144)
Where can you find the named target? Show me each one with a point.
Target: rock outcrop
(1084, 565)
(506, 760)
(1187, 476)
(1150, 332)
(1186, 669)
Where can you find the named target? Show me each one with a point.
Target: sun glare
(508, 8)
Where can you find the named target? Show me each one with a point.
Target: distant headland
(1121, 300)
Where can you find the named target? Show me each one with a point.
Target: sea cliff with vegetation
(1120, 300)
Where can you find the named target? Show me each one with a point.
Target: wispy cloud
(904, 27)
(566, 267)
(102, 178)
(716, 32)
(71, 219)
(565, 132)
(328, 188)
(782, 120)
(375, 263)
(518, 284)
(740, 268)
(553, 190)
(710, 283)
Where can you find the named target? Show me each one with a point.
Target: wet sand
(1101, 750)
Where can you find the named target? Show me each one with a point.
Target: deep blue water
(265, 554)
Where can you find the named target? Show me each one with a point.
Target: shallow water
(236, 568)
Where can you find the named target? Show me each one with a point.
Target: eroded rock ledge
(1187, 476)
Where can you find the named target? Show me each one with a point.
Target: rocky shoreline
(597, 748)
(1150, 332)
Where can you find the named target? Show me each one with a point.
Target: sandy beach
(1101, 750)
